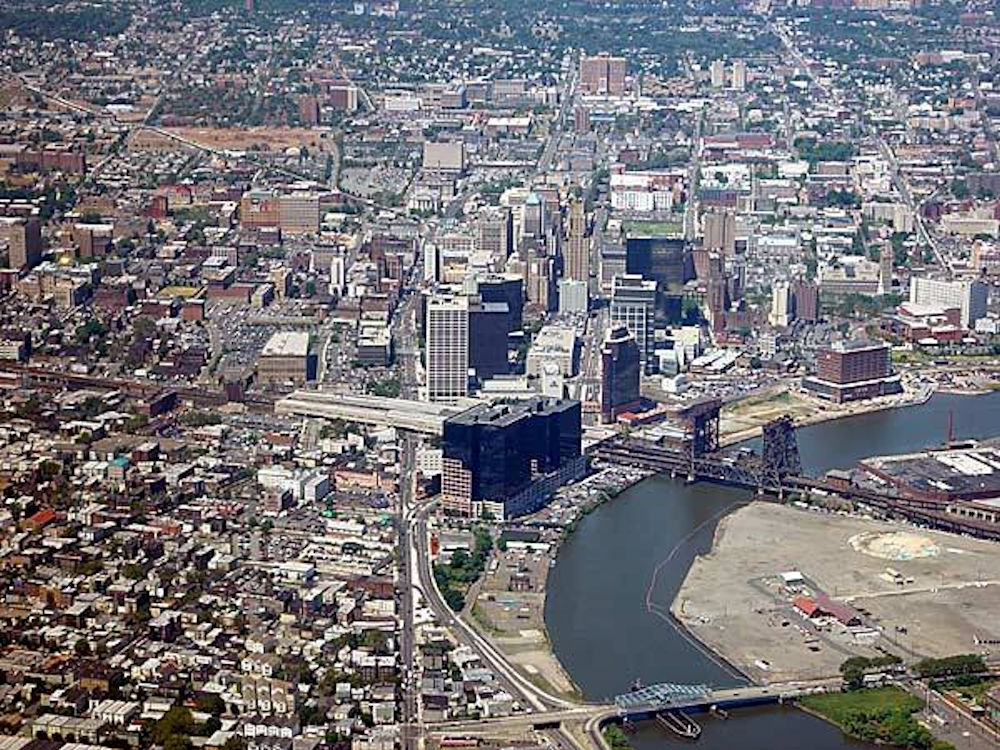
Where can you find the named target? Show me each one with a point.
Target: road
(953, 724)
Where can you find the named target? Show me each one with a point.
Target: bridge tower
(779, 456)
(701, 420)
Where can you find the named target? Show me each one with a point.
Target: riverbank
(742, 420)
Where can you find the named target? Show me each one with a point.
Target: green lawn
(880, 715)
(653, 228)
(838, 706)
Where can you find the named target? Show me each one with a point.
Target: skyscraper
(720, 232)
(619, 374)
(533, 218)
(968, 296)
(338, 273)
(781, 304)
(805, 299)
(633, 305)
(488, 338)
(447, 348)
(577, 265)
(495, 233)
(665, 260)
(885, 270)
(504, 288)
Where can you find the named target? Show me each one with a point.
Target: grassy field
(653, 228)
(838, 707)
(885, 716)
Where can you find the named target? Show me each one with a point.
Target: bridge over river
(643, 703)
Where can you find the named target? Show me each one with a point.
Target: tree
(178, 742)
(210, 703)
(175, 723)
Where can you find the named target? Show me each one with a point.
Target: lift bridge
(694, 451)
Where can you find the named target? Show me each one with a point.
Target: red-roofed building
(806, 606)
(824, 606)
(40, 520)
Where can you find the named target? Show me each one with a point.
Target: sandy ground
(734, 601)
(241, 139)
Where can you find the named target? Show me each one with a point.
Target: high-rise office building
(602, 75)
(620, 367)
(781, 304)
(23, 238)
(577, 257)
(970, 296)
(613, 259)
(573, 297)
(633, 305)
(338, 273)
(513, 454)
(534, 219)
(540, 280)
(507, 288)
(665, 260)
(720, 232)
(488, 327)
(447, 348)
(581, 120)
(495, 232)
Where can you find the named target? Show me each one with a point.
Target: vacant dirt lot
(246, 139)
(735, 600)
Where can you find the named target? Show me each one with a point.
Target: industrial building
(286, 358)
(962, 474)
(509, 457)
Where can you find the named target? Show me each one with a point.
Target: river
(596, 610)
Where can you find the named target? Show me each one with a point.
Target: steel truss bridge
(775, 470)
